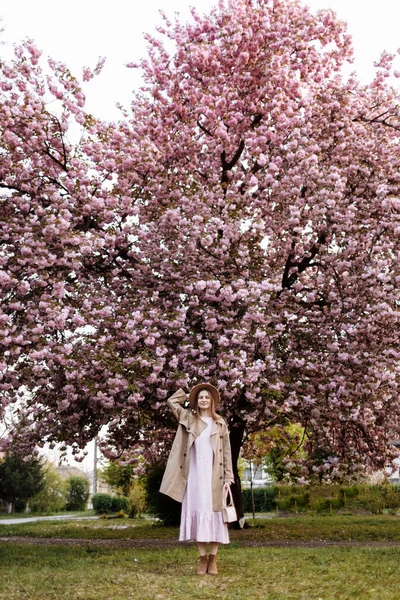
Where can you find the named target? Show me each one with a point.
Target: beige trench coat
(177, 469)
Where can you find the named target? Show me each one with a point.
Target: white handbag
(228, 508)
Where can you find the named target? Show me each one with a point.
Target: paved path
(34, 519)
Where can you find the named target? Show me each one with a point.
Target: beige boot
(202, 568)
(212, 565)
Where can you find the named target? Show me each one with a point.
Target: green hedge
(107, 504)
(120, 503)
(264, 500)
(324, 498)
(102, 503)
(320, 499)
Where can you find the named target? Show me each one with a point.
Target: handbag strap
(225, 497)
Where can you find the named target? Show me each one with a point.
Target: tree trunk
(236, 438)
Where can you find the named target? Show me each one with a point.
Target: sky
(77, 32)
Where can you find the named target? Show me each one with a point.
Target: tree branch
(289, 280)
(204, 129)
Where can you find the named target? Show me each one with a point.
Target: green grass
(329, 528)
(89, 573)
(99, 529)
(305, 528)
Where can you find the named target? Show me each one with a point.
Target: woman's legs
(202, 548)
(214, 547)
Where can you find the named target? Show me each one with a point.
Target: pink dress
(198, 520)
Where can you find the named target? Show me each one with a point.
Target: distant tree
(287, 443)
(77, 493)
(118, 477)
(276, 449)
(20, 478)
(52, 497)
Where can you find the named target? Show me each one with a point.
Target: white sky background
(79, 31)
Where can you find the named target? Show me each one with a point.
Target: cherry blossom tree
(239, 225)
(49, 190)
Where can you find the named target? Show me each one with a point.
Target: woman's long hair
(213, 414)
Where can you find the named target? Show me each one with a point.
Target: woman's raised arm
(175, 403)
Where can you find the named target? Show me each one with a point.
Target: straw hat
(203, 386)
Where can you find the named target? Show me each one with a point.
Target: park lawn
(90, 573)
(353, 528)
(305, 528)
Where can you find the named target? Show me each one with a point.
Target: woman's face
(204, 400)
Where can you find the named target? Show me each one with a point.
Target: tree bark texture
(236, 439)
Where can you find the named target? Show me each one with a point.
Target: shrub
(52, 497)
(325, 498)
(106, 504)
(137, 499)
(159, 505)
(264, 499)
(376, 499)
(295, 502)
(20, 505)
(77, 493)
(371, 500)
(391, 496)
(102, 503)
(349, 493)
(120, 503)
(325, 505)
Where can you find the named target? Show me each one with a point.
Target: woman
(198, 471)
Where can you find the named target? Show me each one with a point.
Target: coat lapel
(189, 422)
